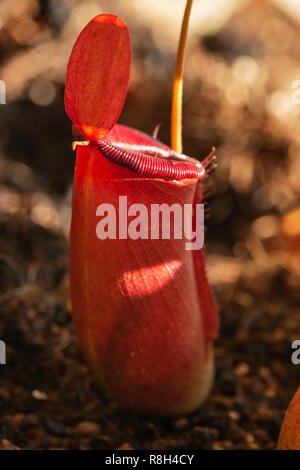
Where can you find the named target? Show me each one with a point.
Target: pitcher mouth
(153, 161)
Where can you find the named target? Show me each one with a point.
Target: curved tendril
(176, 115)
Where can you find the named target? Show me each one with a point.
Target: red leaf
(98, 75)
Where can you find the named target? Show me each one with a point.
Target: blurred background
(240, 95)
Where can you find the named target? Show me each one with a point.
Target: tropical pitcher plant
(143, 309)
(289, 438)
